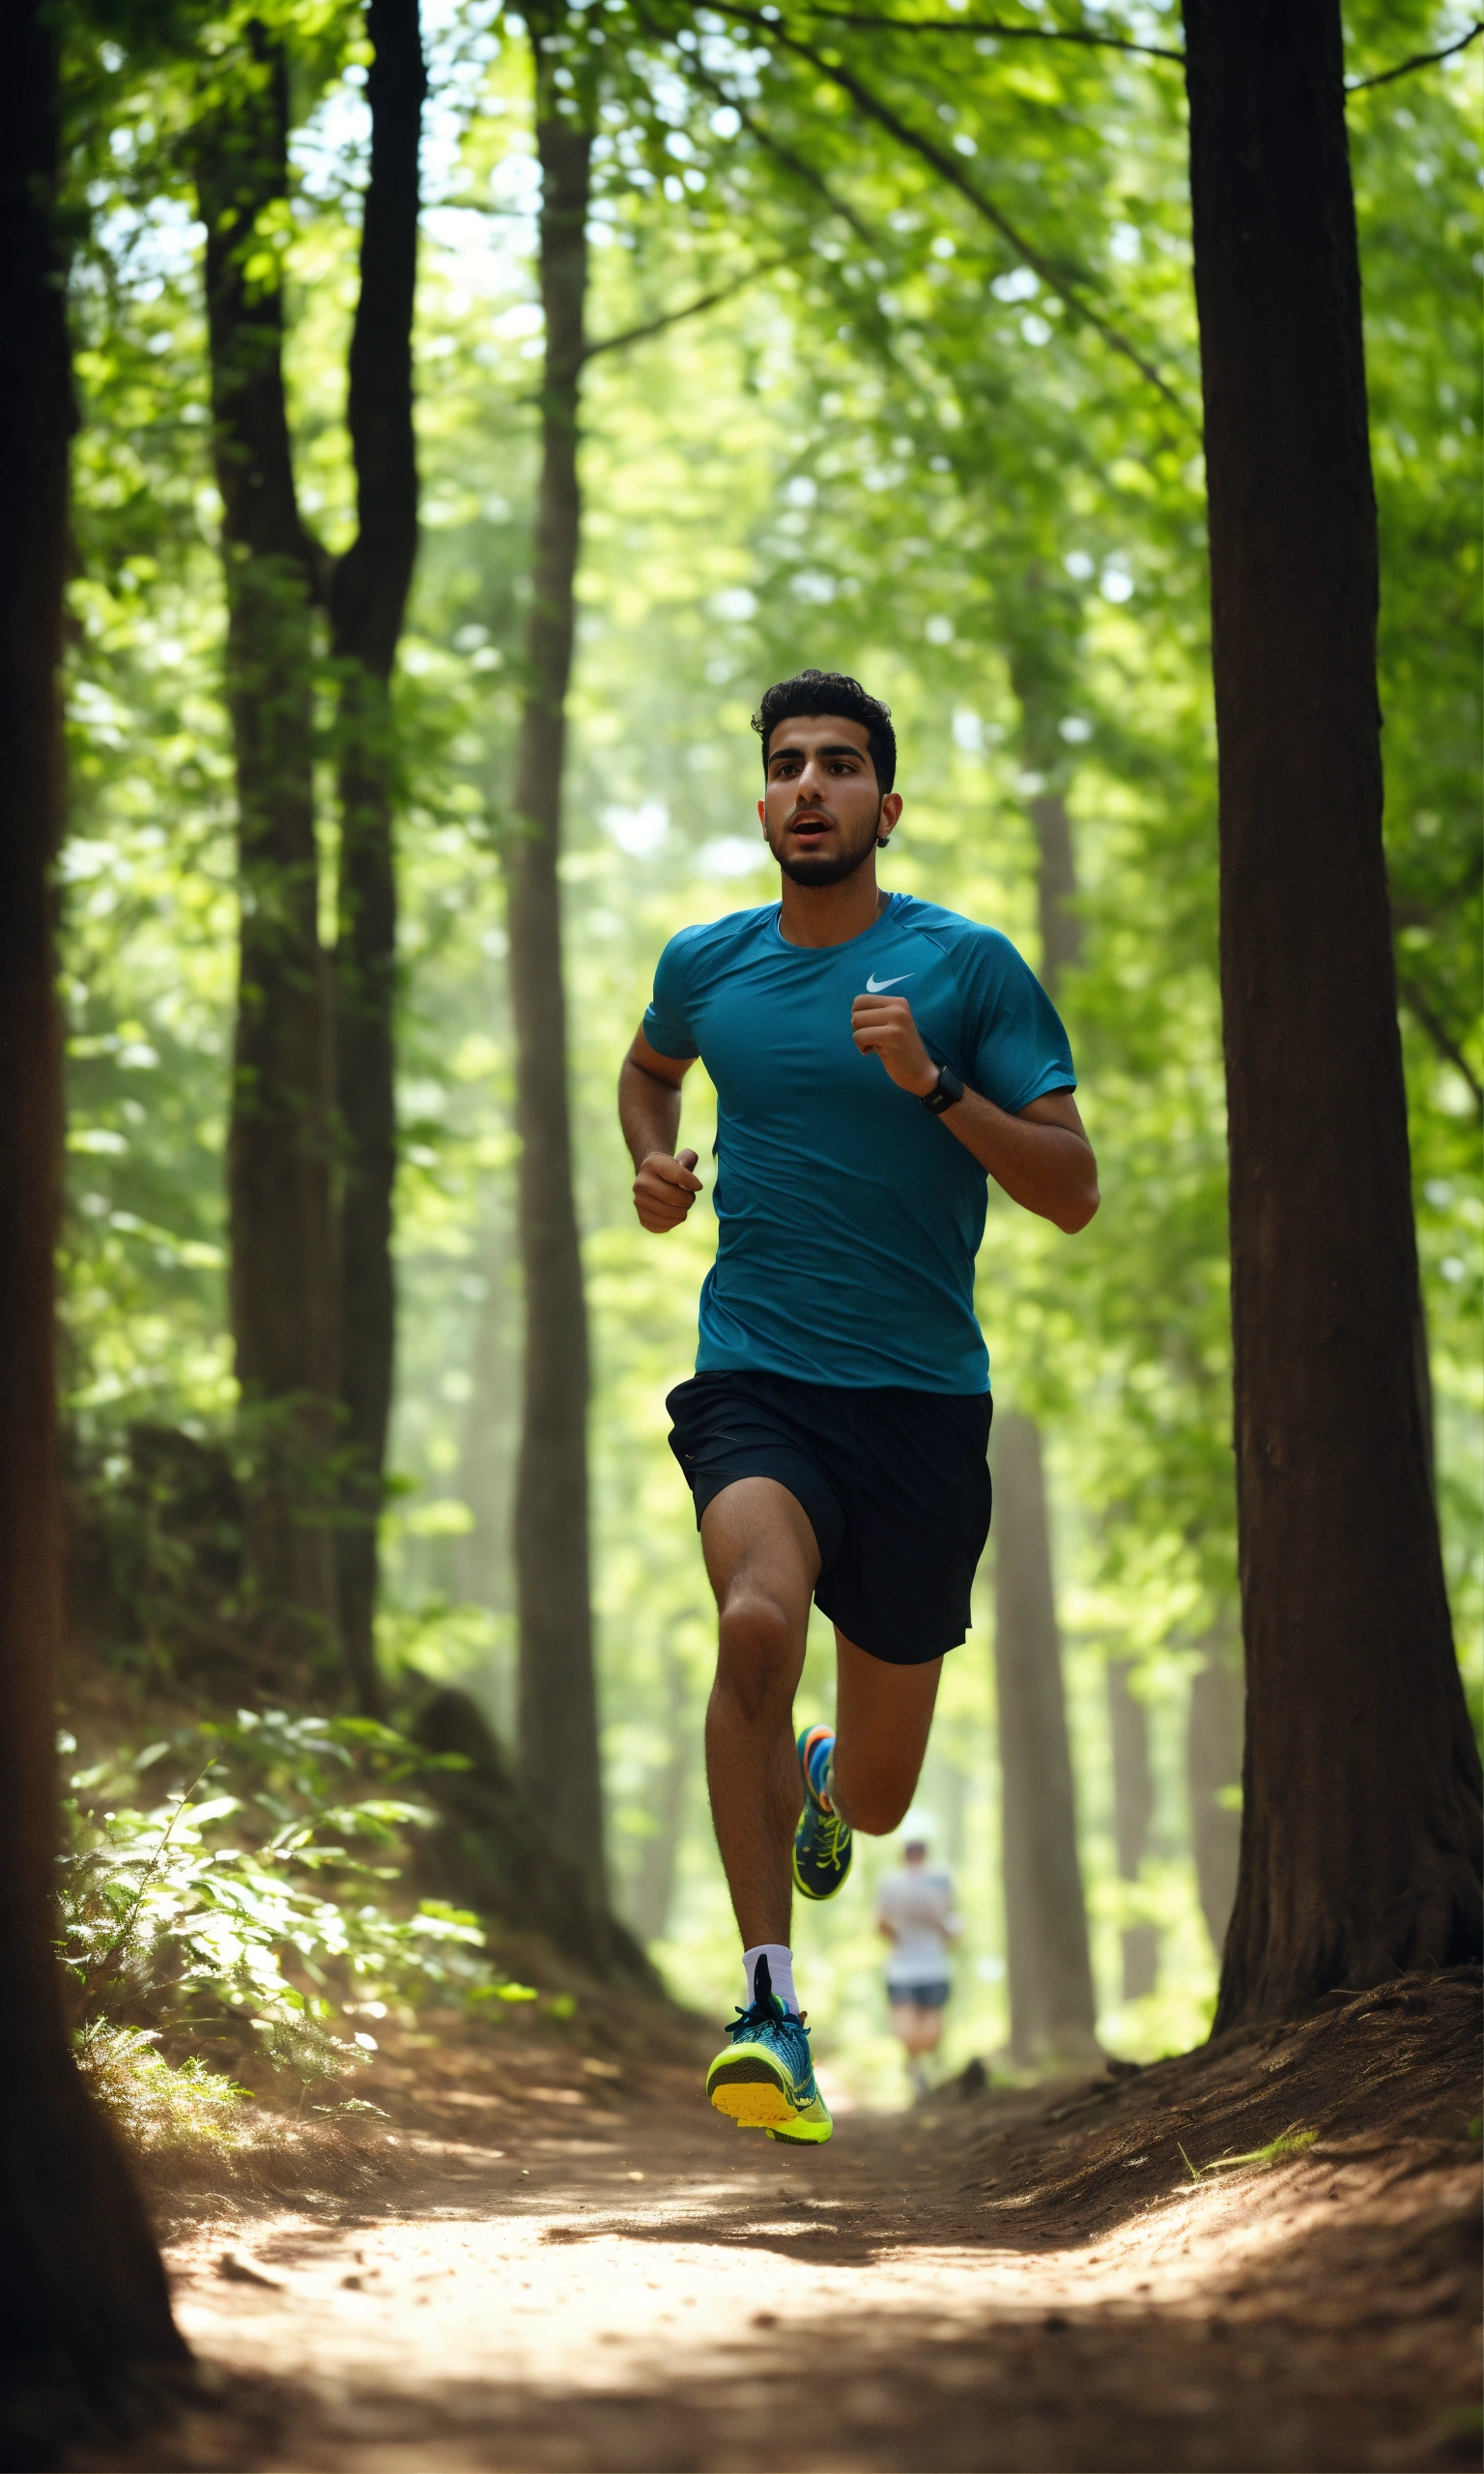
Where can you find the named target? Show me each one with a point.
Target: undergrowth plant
(251, 1910)
(157, 2105)
(1289, 2142)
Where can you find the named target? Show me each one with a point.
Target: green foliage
(157, 2106)
(908, 448)
(267, 1936)
(1288, 2142)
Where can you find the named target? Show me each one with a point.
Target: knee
(873, 1806)
(757, 1656)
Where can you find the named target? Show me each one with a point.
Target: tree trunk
(1053, 2012)
(1362, 1814)
(654, 1882)
(1056, 883)
(487, 1438)
(367, 601)
(1052, 2004)
(1213, 1769)
(1133, 1811)
(283, 1278)
(558, 1696)
(84, 2309)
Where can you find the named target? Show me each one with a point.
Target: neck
(831, 914)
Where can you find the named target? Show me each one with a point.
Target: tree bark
(1133, 1811)
(283, 1274)
(1056, 885)
(654, 1882)
(84, 2309)
(1213, 1768)
(367, 601)
(1052, 2004)
(1053, 2011)
(558, 1696)
(1361, 1815)
(487, 1438)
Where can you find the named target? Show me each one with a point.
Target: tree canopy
(891, 366)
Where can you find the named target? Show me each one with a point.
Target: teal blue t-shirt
(849, 1217)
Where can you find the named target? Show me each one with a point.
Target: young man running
(916, 1916)
(876, 1060)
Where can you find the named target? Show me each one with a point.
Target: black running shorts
(920, 1997)
(896, 1485)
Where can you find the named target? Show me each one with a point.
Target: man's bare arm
(1040, 1156)
(649, 1113)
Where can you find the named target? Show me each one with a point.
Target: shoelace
(763, 2011)
(832, 1828)
(757, 2014)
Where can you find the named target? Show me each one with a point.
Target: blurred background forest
(857, 428)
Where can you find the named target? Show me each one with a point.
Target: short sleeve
(666, 1025)
(1021, 1049)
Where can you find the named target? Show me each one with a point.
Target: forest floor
(546, 2252)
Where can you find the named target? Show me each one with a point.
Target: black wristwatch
(946, 1093)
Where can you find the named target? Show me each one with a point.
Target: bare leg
(882, 1718)
(921, 2030)
(762, 1562)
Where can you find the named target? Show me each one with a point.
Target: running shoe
(822, 1841)
(764, 2077)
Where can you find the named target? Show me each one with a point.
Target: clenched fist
(665, 1190)
(883, 1026)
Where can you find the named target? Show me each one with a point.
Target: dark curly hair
(830, 691)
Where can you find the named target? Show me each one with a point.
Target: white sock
(780, 1969)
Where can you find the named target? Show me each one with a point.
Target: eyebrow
(842, 748)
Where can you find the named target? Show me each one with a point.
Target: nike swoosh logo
(877, 986)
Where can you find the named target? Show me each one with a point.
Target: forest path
(996, 2282)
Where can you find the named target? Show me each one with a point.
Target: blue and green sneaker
(764, 2077)
(822, 1842)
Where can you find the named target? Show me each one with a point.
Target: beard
(831, 869)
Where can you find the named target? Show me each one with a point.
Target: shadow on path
(986, 2282)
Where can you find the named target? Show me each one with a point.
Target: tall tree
(1212, 1770)
(1052, 2002)
(367, 599)
(1361, 1785)
(482, 1556)
(1133, 1813)
(84, 2308)
(1053, 2012)
(557, 1719)
(653, 1888)
(283, 1267)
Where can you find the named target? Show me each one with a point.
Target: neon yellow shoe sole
(751, 2087)
(810, 2128)
(750, 2095)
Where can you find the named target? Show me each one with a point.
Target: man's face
(822, 812)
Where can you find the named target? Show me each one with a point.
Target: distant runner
(915, 1911)
(876, 1060)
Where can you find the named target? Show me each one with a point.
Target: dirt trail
(594, 2271)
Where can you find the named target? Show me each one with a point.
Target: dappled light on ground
(594, 2271)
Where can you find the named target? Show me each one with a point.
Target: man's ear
(891, 811)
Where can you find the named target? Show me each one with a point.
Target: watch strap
(946, 1093)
